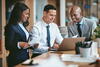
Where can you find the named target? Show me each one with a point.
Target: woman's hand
(24, 44)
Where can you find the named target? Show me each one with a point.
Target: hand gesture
(24, 44)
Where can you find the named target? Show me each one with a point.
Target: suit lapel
(85, 28)
(21, 32)
(73, 29)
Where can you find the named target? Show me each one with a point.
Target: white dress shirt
(39, 35)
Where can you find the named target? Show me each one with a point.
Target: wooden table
(57, 55)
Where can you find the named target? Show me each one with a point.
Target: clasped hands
(26, 45)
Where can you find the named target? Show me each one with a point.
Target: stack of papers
(27, 62)
(77, 58)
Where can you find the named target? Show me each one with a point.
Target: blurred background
(90, 9)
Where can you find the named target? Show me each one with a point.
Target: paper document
(77, 58)
(75, 36)
(28, 61)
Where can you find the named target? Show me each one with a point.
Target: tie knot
(48, 26)
(78, 24)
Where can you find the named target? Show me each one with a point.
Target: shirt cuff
(44, 48)
(18, 45)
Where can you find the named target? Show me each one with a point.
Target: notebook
(69, 43)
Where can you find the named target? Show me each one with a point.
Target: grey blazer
(87, 28)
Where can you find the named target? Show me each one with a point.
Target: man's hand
(56, 46)
(36, 45)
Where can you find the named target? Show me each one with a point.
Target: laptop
(69, 43)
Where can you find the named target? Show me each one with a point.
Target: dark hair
(16, 13)
(49, 7)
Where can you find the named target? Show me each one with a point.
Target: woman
(16, 35)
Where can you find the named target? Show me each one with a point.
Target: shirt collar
(81, 22)
(20, 23)
(45, 24)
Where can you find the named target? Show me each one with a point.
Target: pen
(90, 44)
(96, 62)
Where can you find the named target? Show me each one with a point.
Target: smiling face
(25, 15)
(75, 14)
(49, 16)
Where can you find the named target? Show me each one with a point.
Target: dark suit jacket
(13, 35)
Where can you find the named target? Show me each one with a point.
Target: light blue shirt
(82, 24)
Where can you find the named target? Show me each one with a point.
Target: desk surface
(46, 56)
